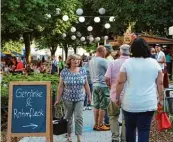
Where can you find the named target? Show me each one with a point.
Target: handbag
(162, 120)
(59, 122)
(59, 126)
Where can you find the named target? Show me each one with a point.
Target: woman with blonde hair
(72, 86)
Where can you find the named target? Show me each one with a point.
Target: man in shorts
(97, 68)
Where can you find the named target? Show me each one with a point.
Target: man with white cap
(111, 81)
(160, 56)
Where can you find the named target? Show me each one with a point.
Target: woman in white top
(141, 78)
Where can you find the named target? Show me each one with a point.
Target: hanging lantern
(64, 35)
(91, 39)
(102, 11)
(79, 11)
(90, 28)
(97, 39)
(112, 19)
(107, 25)
(97, 19)
(73, 29)
(82, 38)
(81, 19)
(65, 18)
(105, 37)
(73, 37)
(78, 34)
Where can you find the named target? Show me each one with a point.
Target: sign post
(30, 110)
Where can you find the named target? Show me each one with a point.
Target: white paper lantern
(79, 11)
(78, 34)
(102, 11)
(64, 35)
(97, 39)
(65, 18)
(171, 30)
(97, 19)
(81, 19)
(73, 29)
(58, 10)
(112, 19)
(91, 39)
(105, 37)
(90, 28)
(73, 37)
(48, 16)
(82, 38)
(107, 25)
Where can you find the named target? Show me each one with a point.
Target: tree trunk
(53, 50)
(75, 49)
(66, 51)
(27, 42)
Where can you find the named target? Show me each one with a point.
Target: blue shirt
(73, 85)
(97, 68)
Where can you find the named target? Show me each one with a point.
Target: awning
(16, 54)
(2, 54)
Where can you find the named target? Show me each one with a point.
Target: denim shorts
(101, 97)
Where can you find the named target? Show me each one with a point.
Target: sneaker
(84, 108)
(103, 128)
(89, 108)
(95, 127)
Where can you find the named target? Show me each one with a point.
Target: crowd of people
(18, 65)
(125, 90)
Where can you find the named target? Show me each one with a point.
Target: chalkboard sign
(30, 109)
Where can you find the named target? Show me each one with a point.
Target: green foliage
(7, 78)
(13, 46)
(90, 47)
(151, 16)
(55, 26)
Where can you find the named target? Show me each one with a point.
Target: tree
(30, 18)
(151, 16)
(51, 36)
(13, 46)
(22, 18)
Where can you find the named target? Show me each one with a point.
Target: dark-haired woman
(141, 76)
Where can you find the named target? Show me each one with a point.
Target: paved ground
(88, 134)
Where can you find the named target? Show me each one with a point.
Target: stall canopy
(16, 54)
(2, 54)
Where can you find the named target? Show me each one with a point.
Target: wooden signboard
(30, 110)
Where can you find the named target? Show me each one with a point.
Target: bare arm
(87, 89)
(163, 60)
(120, 84)
(108, 82)
(159, 82)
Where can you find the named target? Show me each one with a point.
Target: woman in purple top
(72, 86)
